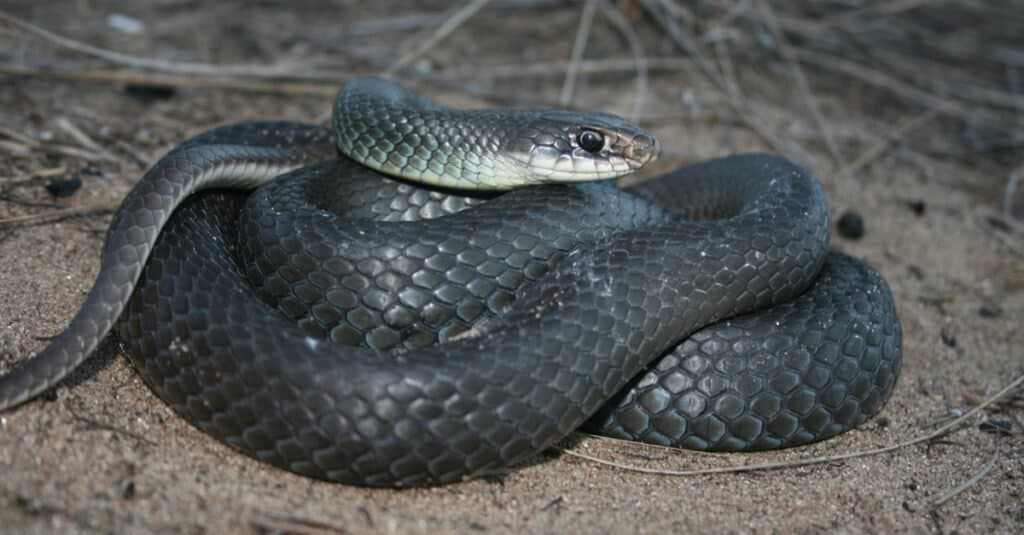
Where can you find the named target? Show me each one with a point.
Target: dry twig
(973, 480)
(39, 174)
(637, 48)
(802, 84)
(129, 60)
(578, 47)
(943, 430)
(170, 80)
(62, 213)
(450, 25)
(879, 148)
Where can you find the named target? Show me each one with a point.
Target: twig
(639, 60)
(61, 213)
(953, 492)
(18, 136)
(813, 460)
(14, 148)
(578, 47)
(169, 80)
(802, 84)
(456, 20)
(684, 40)
(750, 114)
(884, 81)
(877, 149)
(1012, 186)
(282, 522)
(82, 138)
(15, 181)
(890, 8)
(147, 63)
(96, 424)
(552, 68)
(78, 152)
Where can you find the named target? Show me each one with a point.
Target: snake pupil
(590, 140)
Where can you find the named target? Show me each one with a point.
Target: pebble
(64, 188)
(947, 336)
(918, 207)
(150, 93)
(989, 309)
(125, 24)
(128, 490)
(850, 225)
(1003, 428)
(92, 171)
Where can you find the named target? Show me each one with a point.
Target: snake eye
(590, 140)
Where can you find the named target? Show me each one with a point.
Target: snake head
(568, 146)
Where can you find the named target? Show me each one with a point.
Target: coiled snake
(309, 340)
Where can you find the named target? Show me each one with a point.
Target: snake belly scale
(702, 308)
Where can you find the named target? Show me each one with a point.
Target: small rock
(918, 207)
(989, 309)
(850, 225)
(1003, 428)
(64, 188)
(150, 93)
(947, 335)
(882, 422)
(92, 171)
(125, 24)
(128, 490)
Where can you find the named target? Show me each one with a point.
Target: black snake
(310, 340)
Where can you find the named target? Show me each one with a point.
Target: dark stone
(128, 491)
(947, 335)
(989, 309)
(918, 207)
(850, 225)
(64, 188)
(1003, 428)
(150, 93)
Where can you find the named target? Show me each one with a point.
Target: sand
(101, 453)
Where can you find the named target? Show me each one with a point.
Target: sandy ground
(101, 453)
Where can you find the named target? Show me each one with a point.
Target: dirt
(101, 453)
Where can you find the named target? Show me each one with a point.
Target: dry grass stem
(578, 47)
(893, 136)
(451, 24)
(62, 213)
(955, 491)
(941, 431)
(636, 46)
(128, 60)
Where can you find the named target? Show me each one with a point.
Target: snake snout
(643, 150)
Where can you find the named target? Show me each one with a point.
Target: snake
(367, 304)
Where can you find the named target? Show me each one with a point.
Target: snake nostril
(644, 148)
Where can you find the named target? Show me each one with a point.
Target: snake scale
(370, 330)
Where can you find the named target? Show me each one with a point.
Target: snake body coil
(311, 343)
